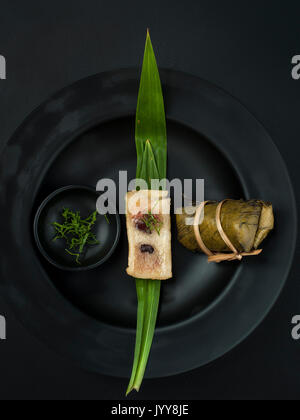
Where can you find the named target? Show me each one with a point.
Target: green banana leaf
(151, 145)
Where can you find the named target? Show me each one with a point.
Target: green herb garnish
(152, 223)
(76, 232)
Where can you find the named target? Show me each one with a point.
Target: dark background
(246, 48)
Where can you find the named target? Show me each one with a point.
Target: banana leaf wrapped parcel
(232, 226)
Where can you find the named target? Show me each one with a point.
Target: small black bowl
(82, 199)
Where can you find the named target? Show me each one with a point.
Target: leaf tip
(134, 388)
(148, 37)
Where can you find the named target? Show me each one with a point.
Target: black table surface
(246, 48)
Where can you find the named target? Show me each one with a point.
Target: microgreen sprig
(152, 223)
(77, 232)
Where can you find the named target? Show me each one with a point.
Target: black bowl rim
(46, 255)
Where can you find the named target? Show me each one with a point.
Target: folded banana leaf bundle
(245, 223)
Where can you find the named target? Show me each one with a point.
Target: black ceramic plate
(86, 132)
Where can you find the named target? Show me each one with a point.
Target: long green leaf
(150, 115)
(152, 288)
(149, 168)
(141, 288)
(151, 144)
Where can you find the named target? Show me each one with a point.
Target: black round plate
(86, 132)
(75, 198)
